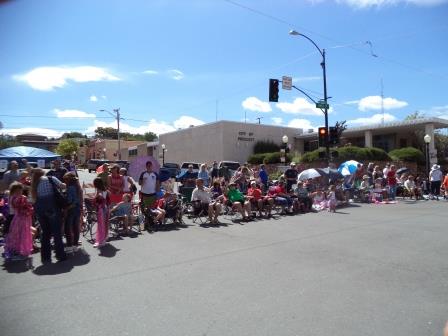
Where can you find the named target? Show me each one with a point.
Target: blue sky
(170, 64)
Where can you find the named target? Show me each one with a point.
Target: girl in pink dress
(102, 203)
(19, 241)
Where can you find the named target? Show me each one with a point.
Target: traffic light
(273, 90)
(322, 132)
(334, 136)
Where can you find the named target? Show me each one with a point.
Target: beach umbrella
(402, 170)
(330, 173)
(308, 174)
(138, 165)
(348, 167)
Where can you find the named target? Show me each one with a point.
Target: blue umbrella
(348, 167)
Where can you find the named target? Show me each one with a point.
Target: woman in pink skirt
(102, 204)
(19, 241)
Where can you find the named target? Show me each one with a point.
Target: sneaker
(96, 245)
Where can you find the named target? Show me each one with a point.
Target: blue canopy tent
(31, 154)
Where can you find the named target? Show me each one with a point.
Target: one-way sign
(286, 83)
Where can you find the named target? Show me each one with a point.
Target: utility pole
(116, 115)
(259, 120)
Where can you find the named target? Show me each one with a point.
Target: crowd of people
(56, 198)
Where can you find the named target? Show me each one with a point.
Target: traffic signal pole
(327, 142)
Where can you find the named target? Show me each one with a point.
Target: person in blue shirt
(263, 175)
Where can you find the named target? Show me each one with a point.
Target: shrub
(257, 158)
(266, 147)
(275, 157)
(409, 154)
(349, 153)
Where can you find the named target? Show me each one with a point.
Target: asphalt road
(366, 270)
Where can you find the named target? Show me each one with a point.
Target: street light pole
(324, 69)
(116, 115)
(285, 145)
(163, 154)
(427, 139)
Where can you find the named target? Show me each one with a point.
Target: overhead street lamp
(427, 139)
(322, 52)
(163, 153)
(116, 115)
(285, 145)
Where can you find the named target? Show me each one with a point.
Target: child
(319, 202)
(123, 210)
(158, 209)
(102, 203)
(332, 199)
(19, 241)
(73, 211)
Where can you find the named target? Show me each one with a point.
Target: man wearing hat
(291, 176)
(435, 180)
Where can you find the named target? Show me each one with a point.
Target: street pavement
(365, 270)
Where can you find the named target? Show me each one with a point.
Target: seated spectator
(412, 188)
(123, 210)
(365, 184)
(237, 201)
(217, 192)
(204, 196)
(303, 196)
(188, 178)
(319, 201)
(204, 175)
(257, 200)
(310, 186)
(280, 196)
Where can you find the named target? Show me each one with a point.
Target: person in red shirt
(280, 196)
(392, 182)
(258, 201)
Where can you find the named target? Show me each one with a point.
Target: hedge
(267, 158)
(262, 147)
(349, 153)
(409, 154)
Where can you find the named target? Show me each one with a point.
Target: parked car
(231, 165)
(173, 168)
(184, 168)
(93, 164)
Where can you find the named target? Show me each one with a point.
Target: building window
(132, 152)
(403, 143)
(149, 151)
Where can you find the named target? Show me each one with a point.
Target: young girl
(19, 241)
(102, 203)
(319, 202)
(332, 199)
(73, 211)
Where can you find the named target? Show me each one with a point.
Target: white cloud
(306, 79)
(93, 99)
(186, 121)
(150, 72)
(299, 106)
(383, 3)
(155, 126)
(33, 130)
(277, 120)
(255, 104)
(73, 114)
(301, 123)
(375, 119)
(374, 103)
(104, 97)
(175, 74)
(49, 78)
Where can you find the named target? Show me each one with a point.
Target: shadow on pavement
(79, 258)
(18, 266)
(108, 251)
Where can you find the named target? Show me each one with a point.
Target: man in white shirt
(150, 185)
(203, 196)
(435, 180)
(386, 170)
(410, 186)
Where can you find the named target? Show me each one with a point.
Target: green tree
(106, 133)
(266, 147)
(415, 115)
(70, 135)
(150, 136)
(7, 141)
(66, 147)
